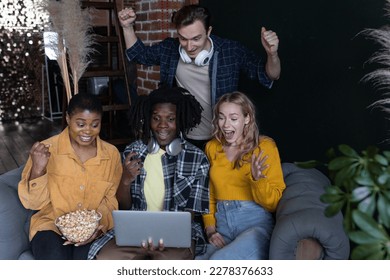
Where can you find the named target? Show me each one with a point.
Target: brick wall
(153, 25)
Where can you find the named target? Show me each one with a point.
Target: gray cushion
(300, 215)
(14, 217)
(11, 178)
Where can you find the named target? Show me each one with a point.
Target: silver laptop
(133, 227)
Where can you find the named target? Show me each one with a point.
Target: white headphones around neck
(173, 149)
(202, 59)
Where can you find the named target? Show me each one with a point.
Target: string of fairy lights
(21, 26)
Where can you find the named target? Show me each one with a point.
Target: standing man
(206, 65)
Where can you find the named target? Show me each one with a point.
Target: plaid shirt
(186, 188)
(229, 59)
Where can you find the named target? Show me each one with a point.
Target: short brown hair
(189, 14)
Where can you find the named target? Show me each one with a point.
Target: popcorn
(78, 226)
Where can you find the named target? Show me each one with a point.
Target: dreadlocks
(188, 110)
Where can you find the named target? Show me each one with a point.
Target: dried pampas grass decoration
(74, 43)
(380, 78)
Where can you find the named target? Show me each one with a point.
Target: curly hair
(251, 131)
(188, 110)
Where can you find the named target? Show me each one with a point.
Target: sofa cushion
(13, 217)
(12, 177)
(300, 215)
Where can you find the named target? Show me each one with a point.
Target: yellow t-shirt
(154, 188)
(227, 183)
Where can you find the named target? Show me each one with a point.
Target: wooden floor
(16, 140)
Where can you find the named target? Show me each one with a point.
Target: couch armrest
(14, 218)
(300, 215)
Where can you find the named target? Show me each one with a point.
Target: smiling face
(84, 127)
(163, 123)
(193, 38)
(231, 122)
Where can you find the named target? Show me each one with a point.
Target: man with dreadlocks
(161, 172)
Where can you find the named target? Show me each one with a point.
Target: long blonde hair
(251, 131)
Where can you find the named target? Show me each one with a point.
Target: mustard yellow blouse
(227, 183)
(69, 184)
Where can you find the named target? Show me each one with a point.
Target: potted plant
(361, 190)
(361, 181)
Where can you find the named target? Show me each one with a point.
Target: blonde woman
(246, 183)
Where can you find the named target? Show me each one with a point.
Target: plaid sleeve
(156, 54)
(146, 55)
(99, 243)
(252, 65)
(198, 200)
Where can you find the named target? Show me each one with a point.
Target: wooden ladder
(108, 74)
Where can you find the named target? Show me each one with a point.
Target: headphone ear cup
(174, 148)
(203, 58)
(153, 146)
(184, 56)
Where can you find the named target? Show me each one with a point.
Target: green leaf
(381, 159)
(332, 194)
(365, 252)
(374, 168)
(331, 198)
(348, 223)
(371, 151)
(383, 206)
(361, 237)
(382, 179)
(368, 205)
(386, 193)
(345, 176)
(360, 193)
(333, 190)
(348, 151)
(340, 162)
(378, 255)
(334, 208)
(365, 180)
(369, 225)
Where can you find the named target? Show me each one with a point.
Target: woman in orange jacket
(74, 170)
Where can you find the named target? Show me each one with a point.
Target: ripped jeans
(246, 228)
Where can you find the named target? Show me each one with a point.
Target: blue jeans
(246, 228)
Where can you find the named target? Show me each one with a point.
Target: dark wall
(319, 101)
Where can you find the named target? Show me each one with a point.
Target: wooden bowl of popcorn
(78, 226)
